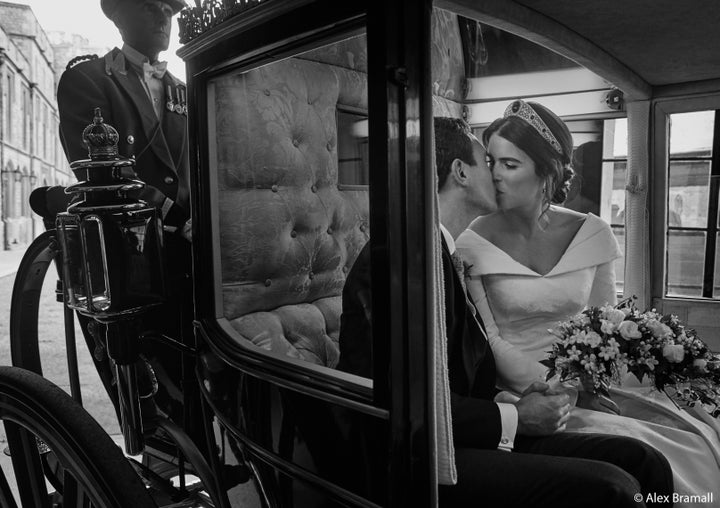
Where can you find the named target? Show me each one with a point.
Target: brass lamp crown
(101, 139)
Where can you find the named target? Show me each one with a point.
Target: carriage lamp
(111, 243)
(112, 246)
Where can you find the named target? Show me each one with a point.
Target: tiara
(523, 110)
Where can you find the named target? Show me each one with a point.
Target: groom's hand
(541, 414)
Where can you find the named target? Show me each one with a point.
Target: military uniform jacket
(159, 146)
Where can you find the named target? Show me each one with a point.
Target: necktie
(156, 70)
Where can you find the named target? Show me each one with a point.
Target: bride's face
(516, 183)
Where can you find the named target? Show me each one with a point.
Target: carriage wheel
(33, 300)
(60, 454)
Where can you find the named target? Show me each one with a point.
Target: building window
(9, 105)
(693, 177)
(25, 117)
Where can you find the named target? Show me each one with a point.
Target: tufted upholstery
(289, 233)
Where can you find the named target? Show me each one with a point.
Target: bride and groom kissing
(559, 455)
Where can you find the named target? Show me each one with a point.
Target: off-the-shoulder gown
(520, 306)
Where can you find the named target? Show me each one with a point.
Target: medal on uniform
(183, 101)
(178, 106)
(170, 105)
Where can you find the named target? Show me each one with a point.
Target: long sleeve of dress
(603, 289)
(516, 370)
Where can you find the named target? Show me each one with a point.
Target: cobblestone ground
(52, 352)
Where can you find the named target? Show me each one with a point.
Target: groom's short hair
(452, 141)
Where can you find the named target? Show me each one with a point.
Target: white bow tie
(157, 70)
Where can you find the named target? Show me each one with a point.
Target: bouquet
(600, 344)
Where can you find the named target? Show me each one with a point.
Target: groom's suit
(563, 469)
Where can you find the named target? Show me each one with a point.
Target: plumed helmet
(110, 7)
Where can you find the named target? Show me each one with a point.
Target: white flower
(592, 339)
(607, 327)
(629, 330)
(674, 353)
(700, 364)
(615, 316)
(658, 329)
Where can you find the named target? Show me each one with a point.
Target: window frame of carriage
(669, 102)
(401, 218)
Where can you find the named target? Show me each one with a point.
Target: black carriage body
(315, 435)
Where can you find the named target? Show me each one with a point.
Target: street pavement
(52, 351)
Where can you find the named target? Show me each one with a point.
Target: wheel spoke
(6, 496)
(28, 469)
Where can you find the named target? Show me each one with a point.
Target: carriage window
(614, 173)
(289, 144)
(692, 207)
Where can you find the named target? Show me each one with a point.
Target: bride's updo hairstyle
(542, 135)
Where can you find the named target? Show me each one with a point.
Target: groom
(507, 454)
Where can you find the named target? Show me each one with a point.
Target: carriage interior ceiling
(290, 230)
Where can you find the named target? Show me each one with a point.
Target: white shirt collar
(449, 240)
(134, 56)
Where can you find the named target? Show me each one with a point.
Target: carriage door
(309, 129)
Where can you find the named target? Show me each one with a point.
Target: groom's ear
(458, 172)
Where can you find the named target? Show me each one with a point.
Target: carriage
(311, 134)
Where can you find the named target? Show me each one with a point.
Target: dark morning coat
(475, 417)
(160, 149)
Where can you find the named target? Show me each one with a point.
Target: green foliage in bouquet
(599, 344)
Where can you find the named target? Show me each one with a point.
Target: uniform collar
(134, 58)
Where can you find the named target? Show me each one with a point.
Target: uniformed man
(137, 96)
(146, 104)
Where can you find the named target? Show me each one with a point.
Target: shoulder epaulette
(79, 59)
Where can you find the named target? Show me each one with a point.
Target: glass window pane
(685, 263)
(613, 199)
(619, 233)
(616, 138)
(691, 134)
(288, 143)
(688, 192)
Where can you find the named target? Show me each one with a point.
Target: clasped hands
(542, 411)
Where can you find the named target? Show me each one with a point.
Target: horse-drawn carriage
(311, 134)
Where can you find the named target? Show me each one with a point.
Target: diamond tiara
(523, 110)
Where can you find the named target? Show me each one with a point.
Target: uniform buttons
(155, 99)
(293, 233)
(130, 139)
(362, 227)
(266, 91)
(311, 275)
(329, 231)
(296, 142)
(267, 282)
(274, 188)
(169, 179)
(313, 188)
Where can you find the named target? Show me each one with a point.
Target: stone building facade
(30, 150)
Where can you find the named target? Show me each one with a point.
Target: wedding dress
(520, 306)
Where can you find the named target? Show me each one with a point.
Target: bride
(533, 264)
